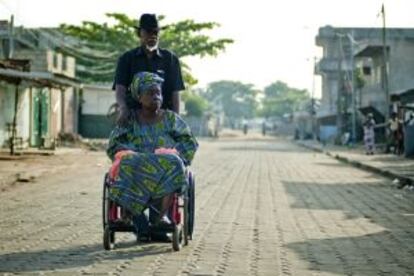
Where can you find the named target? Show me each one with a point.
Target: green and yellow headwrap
(142, 81)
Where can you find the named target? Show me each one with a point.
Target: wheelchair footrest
(120, 226)
(163, 228)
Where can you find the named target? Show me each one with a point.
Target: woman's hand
(123, 153)
(166, 151)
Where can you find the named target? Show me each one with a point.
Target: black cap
(148, 22)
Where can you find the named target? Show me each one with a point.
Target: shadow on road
(270, 145)
(373, 208)
(265, 148)
(76, 257)
(332, 164)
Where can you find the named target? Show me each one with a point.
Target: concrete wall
(401, 66)
(97, 100)
(7, 97)
(38, 59)
(6, 109)
(58, 63)
(55, 112)
(23, 118)
(70, 101)
(48, 61)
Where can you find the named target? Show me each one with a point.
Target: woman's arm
(118, 140)
(186, 144)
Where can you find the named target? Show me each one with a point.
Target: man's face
(149, 38)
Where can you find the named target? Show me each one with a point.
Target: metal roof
(47, 79)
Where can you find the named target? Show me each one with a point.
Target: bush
(195, 105)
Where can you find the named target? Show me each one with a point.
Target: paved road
(264, 207)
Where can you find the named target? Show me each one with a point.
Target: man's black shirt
(164, 63)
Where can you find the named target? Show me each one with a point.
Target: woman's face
(152, 98)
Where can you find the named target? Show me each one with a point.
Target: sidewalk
(388, 165)
(32, 164)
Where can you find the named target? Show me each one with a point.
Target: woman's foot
(160, 229)
(163, 221)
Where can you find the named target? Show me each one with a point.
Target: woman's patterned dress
(141, 175)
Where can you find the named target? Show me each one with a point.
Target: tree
(238, 99)
(194, 104)
(97, 46)
(281, 99)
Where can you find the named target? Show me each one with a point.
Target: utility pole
(349, 80)
(16, 91)
(352, 80)
(11, 38)
(313, 113)
(14, 130)
(339, 99)
(385, 60)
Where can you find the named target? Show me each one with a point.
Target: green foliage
(359, 78)
(237, 99)
(194, 104)
(281, 99)
(97, 46)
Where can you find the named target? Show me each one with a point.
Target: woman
(369, 134)
(150, 151)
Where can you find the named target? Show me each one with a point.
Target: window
(64, 63)
(366, 70)
(55, 60)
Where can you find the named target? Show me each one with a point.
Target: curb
(386, 173)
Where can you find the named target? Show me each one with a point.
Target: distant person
(245, 126)
(264, 127)
(394, 132)
(346, 139)
(369, 134)
(147, 57)
(399, 149)
(274, 127)
(296, 135)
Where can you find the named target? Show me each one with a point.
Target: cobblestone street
(263, 207)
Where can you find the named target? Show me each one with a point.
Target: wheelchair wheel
(185, 221)
(177, 238)
(105, 202)
(108, 238)
(191, 206)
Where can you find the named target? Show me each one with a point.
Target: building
(94, 120)
(353, 68)
(41, 99)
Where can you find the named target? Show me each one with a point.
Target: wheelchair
(181, 213)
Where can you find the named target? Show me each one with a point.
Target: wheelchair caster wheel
(177, 238)
(108, 238)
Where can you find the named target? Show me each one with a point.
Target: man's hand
(176, 102)
(123, 111)
(123, 115)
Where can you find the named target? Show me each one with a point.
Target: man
(395, 132)
(150, 58)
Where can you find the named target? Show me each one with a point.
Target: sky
(274, 39)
